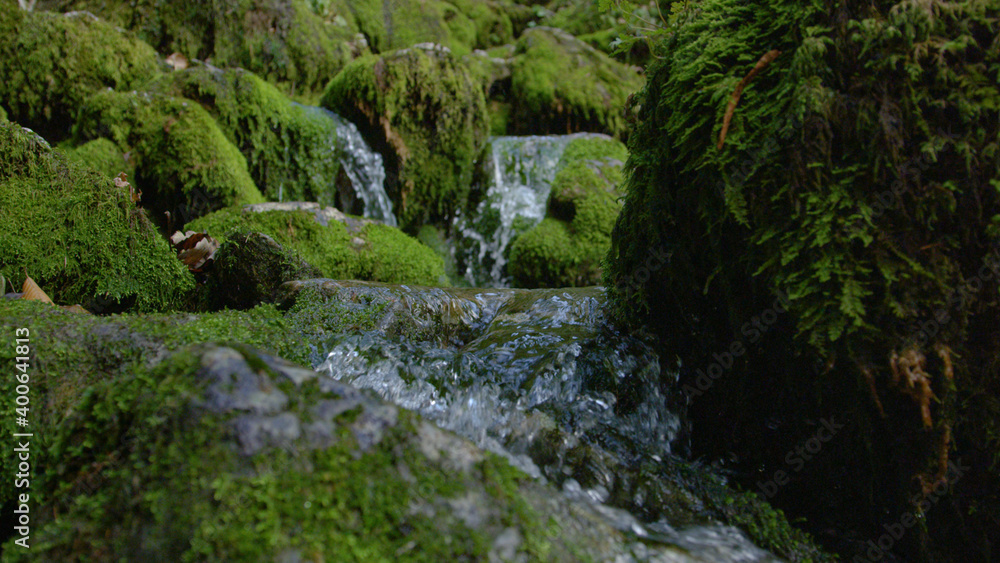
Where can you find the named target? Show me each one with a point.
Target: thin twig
(761, 65)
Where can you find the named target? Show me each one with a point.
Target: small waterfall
(363, 168)
(523, 169)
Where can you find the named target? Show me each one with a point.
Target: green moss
(184, 163)
(136, 467)
(584, 203)
(873, 217)
(460, 25)
(290, 149)
(561, 85)
(579, 17)
(103, 156)
(283, 41)
(543, 256)
(427, 115)
(81, 238)
(51, 63)
(375, 253)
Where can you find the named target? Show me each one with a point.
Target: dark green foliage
(560, 84)
(77, 235)
(426, 114)
(50, 63)
(858, 178)
(184, 164)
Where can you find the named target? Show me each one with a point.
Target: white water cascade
(362, 166)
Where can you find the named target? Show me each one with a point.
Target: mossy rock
(568, 247)
(77, 235)
(290, 149)
(426, 114)
(51, 63)
(104, 156)
(184, 163)
(249, 268)
(560, 84)
(856, 182)
(283, 41)
(348, 248)
(460, 25)
(578, 17)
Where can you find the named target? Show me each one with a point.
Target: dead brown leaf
(32, 292)
(196, 250)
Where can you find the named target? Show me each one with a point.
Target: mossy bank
(827, 247)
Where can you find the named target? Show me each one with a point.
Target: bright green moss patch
(290, 149)
(80, 237)
(375, 253)
(568, 247)
(50, 63)
(427, 116)
(560, 84)
(184, 163)
(104, 156)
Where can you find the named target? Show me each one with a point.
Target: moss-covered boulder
(338, 245)
(284, 41)
(460, 25)
(50, 63)
(560, 84)
(826, 245)
(426, 114)
(568, 247)
(291, 150)
(184, 164)
(80, 237)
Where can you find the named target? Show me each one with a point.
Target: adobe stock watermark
(750, 333)
(894, 532)
(802, 453)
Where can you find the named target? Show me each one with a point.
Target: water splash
(542, 378)
(362, 166)
(521, 173)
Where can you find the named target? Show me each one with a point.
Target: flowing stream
(542, 378)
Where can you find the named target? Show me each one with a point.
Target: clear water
(362, 166)
(542, 378)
